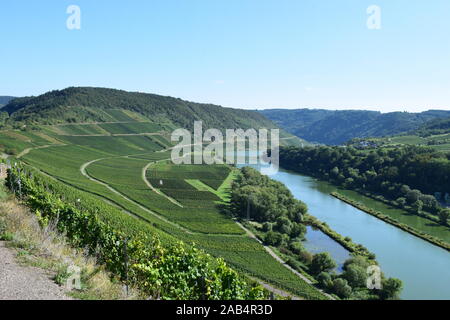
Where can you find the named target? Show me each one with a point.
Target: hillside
(4, 100)
(76, 105)
(336, 127)
(434, 127)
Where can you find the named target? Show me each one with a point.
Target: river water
(424, 268)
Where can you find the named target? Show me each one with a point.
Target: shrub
(341, 288)
(322, 262)
(273, 239)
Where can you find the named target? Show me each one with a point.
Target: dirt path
(25, 283)
(27, 150)
(144, 177)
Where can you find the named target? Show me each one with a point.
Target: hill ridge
(338, 126)
(84, 104)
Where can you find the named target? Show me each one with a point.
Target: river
(424, 268)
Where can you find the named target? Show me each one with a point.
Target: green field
(20, 140)
(78, 129)
(417, 222)
(438, 142)
(132, 127)
(184, 205)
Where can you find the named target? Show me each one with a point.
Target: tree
(273, 239)
(341, 288)
(305, 257)
(296, 247)
(349, 182)
(335, 172)
(417, 206)
(444, 214)
(283, 225)
(325, 280)
(322, 262)
(297, 230)
(404, 189)
(355, 275)
(267, 226)
(430, 203)
(401, 201)
(391, 288)
(412, 196)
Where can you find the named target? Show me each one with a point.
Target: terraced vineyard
(128, 177)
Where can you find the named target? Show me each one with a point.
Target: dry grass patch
(47, 249)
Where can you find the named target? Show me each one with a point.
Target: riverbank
(392, 221)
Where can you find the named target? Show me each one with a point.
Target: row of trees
(413, 176)
(266, 200)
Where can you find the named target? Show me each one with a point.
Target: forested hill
(434, 127)
(336, 127)
(86, 104)
(5, 100)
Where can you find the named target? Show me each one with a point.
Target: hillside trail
(19, 282)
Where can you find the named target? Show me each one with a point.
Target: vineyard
(173, 271)
(126, 182)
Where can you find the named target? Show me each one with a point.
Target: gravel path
(25, 283)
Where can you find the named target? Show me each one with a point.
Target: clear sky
(236, 53)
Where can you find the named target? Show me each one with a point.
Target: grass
(442, 139)
(129, 128)
(78, 129)
(20, 140)
(153, 156)
(124, 145)
(120, 115)
(387, 218)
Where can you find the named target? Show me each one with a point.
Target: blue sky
(236, 53)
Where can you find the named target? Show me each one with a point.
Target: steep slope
(95, 104)
(336, 127)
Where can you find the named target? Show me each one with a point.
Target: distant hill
(433, 127)
(4, 100)
(336, 127)
(85, 104)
